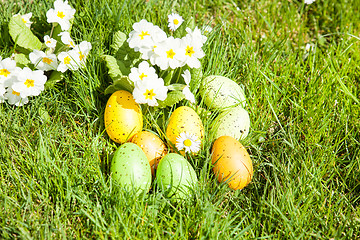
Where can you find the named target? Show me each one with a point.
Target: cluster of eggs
(143, 156)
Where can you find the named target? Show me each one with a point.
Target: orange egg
(153, 147)
(232, 163)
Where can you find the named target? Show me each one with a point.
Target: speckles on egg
(235, 122)
(184, 119)
(130, 168)
(123, 117)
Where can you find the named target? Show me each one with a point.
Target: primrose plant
(157, 67)
(35, 65)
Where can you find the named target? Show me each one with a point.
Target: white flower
(14, 98)
(68, 61)
(66, 39)
(43, 61)
(148, 49)
(175, 20)
(196, 36)
(192, 50)
(81, 52)
(186, 91)
(188, 142)
(144, 34)
(8, 72)
(309, 1)
(170, 54)
(26, 19)
(29, 83)
(62, 13)
(143, 72)
(148, 91)
(50, 42)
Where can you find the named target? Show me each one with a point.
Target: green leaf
(122, 83)
(21, 60)
(22, 35)
(53, 79)
(171, 99)
(176, 87)
(119, 40)
(116, 67)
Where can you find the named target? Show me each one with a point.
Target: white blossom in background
(66, 39)
(43, 61)
(142, 35)
(170, 54)
(309, 1)
(80, 53)
(26, 19)
(174, 20)
(149, 91)
(67, 61)
(186, 91)
(188, 142)
(142, 73)
(50, 42)
(62, 13)
(206, 29)
(29, 83)
(14, 98)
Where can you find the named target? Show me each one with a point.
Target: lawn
(299, 65)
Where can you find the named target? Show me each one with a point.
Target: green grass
(304, 139)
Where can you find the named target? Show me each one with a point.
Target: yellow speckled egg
(153, 147)
(184, 120)
(232, 163)
(123, 116)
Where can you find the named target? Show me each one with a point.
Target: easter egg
(232, 163)
(175, 176)
(153, 147)
(130, 168)
(123, 116)
(184, 122)
(221, 92)
(234, 122)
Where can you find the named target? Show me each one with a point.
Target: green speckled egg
(175, 176)
(221, 92)
(235, 122)
(130, 168)
(123, 116)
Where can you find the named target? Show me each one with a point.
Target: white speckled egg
(221, 92)
(235, 122)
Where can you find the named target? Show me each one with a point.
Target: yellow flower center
(142, 76)
(154, 48)
(16, 93)
(48, 42)
(170, 54)
(176, 22)
(143, 34)
(60, 15)
(29, 83)
(4, 72)
(67, 60)
(187, 143)
(149, 94)
(189, 51)
(47, 60)
(24, 21)
(81, 56)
